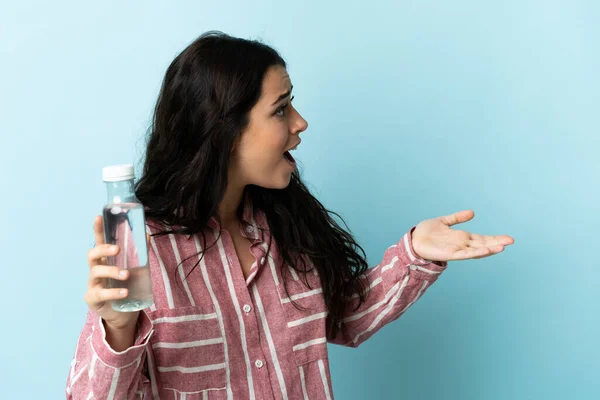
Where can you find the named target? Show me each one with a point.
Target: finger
(477, 240)
(470, 252)
(98, 230)
(97, 255)
(99, 236)
(101, 295)
(493, 250)
(99, 272)
(504, 240)
(458, 217)
(476, 252)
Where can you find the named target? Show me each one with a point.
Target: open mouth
(289, 158)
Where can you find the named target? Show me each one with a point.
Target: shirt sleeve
(97, 371)
(391, 288)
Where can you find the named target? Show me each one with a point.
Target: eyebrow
(283, 96)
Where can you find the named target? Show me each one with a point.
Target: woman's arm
(99, 371)
(397, 282)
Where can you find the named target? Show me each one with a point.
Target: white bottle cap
(116, 173)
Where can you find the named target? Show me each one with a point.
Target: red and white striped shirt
(217, 335)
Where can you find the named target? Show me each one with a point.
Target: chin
(279, 183)
(283, 184)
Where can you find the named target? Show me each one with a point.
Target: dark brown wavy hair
(203, 106)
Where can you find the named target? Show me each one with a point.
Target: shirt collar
(252, 221)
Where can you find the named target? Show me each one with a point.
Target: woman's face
(260, 155)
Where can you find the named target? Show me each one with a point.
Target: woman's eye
(281, 110)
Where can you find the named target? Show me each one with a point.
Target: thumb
(458, 217)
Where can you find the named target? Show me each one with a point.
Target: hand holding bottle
(99, 295)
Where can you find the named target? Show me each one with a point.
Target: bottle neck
(120, 192)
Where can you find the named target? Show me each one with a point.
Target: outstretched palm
(434, 240)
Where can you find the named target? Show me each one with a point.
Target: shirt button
(413, 267)
(262, 261)
(258, 363)
(247, 308)
(249, 228)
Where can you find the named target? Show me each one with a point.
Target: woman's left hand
(434, 240)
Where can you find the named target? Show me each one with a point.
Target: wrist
(415, 244)
(128, 325)
(120, 337)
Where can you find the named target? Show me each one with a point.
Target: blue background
(416, 109)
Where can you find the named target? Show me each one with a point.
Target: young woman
(252, 276)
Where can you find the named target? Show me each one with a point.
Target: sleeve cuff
(118, 359)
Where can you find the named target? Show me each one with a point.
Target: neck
(230, 203)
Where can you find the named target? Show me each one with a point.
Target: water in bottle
(125, 226)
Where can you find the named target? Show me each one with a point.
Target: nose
(300, 124)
